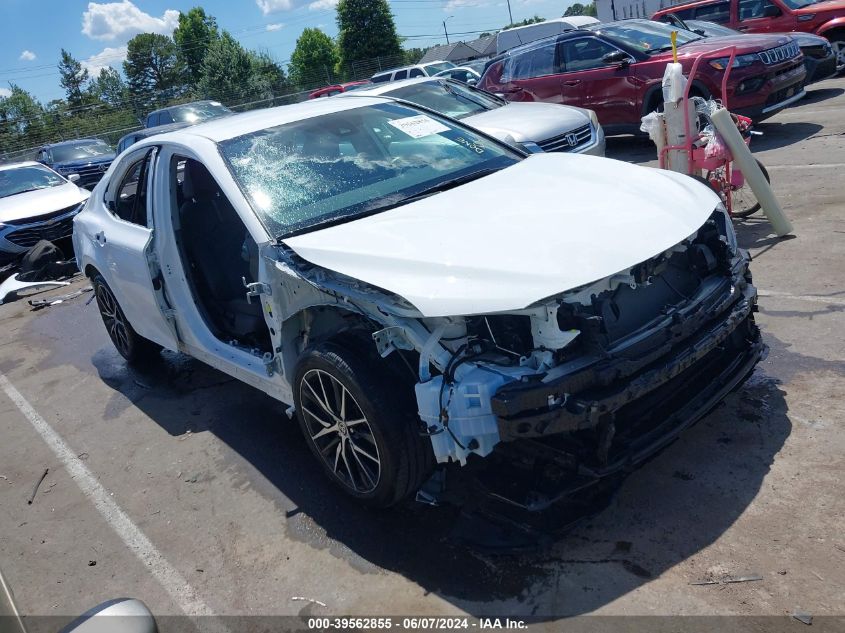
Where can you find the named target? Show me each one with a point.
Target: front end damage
(579, 386)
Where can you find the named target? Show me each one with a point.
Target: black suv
(87, 158)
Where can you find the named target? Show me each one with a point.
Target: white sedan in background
(35, 203)
(421, 293)
(549, 127)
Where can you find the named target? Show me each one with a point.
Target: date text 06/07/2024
(413, 623)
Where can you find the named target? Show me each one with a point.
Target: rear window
(720, 12)
(537, 62)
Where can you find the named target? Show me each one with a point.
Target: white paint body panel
(42, 201)
(549, 224)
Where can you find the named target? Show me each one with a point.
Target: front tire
(360, 423)
(129, 344)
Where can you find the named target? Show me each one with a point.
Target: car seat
(221, 253)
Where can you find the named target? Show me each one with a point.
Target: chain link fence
(92, 122)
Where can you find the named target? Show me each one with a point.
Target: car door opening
(218, 254)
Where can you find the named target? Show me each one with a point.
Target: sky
(32, 32)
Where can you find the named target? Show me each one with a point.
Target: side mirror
(122, 614)
(73, 177)
(620, 58)
(771, 11)
(699, 32)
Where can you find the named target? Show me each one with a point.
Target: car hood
(34, 203)
(528, 121)
(548, 224)
(745, 43)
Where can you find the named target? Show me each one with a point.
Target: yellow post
(674, 38)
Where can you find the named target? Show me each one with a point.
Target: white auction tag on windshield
(418, 126)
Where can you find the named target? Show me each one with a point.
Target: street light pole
(444, 28)
(510, 15)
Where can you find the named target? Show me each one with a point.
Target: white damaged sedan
(421, 293)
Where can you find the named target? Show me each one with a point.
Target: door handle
(100, 238)
(572, 82)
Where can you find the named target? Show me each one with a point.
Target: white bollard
(724, 124)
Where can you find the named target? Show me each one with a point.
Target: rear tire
(361, 423)
(129, 344)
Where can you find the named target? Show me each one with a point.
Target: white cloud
(319, 5)
(451, 5)
(274, 27)
(27, 56)
(272, 6)
(122, 21)
(5, 92)
(107, 57)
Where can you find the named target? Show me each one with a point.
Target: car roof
(408, 67)
(73, 142)
(23, 163)
(222, 129)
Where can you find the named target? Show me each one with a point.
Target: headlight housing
(740, 61)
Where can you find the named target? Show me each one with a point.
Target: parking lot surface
(193, 492)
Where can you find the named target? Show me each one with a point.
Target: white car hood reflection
(551, 223)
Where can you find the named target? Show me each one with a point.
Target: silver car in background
(549, 127)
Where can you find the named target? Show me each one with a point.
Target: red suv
(616, 69)
(821, 17)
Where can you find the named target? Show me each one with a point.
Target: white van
(509, 38)
(429, 69)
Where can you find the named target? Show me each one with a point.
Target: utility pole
(444, 28)
(510, 15)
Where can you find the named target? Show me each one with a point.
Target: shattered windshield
(27, 178)
(355, 162)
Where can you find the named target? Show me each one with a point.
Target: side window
(684, 14)
(165, 118)
(750, 9)
(584, 54)
(719, 12)
(377, 79)
(537, 62)
(130, 203)
(416, 72)
(400, 74)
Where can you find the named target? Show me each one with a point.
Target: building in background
(610, 10)
(459, 52)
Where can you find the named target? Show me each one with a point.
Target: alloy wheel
(340, 431)
(839, 51)
(113, 319)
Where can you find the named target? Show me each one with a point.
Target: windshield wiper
(25, 191)
(393, 202)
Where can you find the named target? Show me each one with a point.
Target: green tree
(73, 78)
(226, 70)
(580, 9)
(153, 69)
(267, 77)
(313, 59)
(365, 30)
(22, 120)
(535, 20)
(193, 36)
(110, 88)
